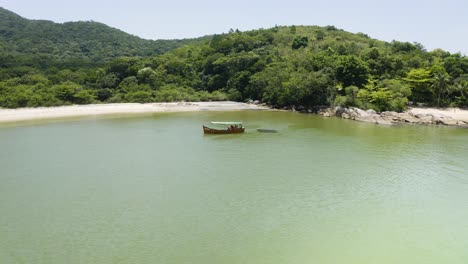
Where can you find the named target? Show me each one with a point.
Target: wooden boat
(224, 128)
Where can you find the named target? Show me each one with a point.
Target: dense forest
(300, 67)
(43, 44)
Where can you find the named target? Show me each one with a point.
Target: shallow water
(154, 189)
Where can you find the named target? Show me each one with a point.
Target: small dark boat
(266, 130)
(224, 128)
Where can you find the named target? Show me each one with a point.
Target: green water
(154, 189)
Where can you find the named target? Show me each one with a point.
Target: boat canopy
(226, 123)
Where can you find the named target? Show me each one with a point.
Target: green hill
(300, 67)
(41, 43)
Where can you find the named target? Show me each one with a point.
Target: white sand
(455, 113)
(23, 114)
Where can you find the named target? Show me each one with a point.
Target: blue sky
(435, 24)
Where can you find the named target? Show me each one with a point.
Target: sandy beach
(29, 114)
(25, 114)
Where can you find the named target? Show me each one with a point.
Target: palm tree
(461, 86)
(440, 84)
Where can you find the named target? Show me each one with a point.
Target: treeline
(287, 67)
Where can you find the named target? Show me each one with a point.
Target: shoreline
(455, 113)
(45, 113)
(416, 115)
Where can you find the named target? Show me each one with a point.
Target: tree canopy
(292, 67)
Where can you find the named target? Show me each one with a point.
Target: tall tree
(420, 83)
(352, 71)
(440, 85)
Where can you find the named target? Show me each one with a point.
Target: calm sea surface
(154, 189)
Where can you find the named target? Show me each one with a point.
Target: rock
(424, 119)
(439, 116)
(436, 120)
(462, 123)
(338, 108)
(389, 113)
(406, 117)
(447, 121)
(421, 115)
(339, 111)
(444, 120)
(249, 101)
(376, 119)
(391, 119)
(327, 112)
(382, 121)
(391, 116)
(256, 102)
(353, 115)
(367, 119)
(360, 112)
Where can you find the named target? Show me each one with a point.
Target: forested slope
(42, 44)
(301, 67)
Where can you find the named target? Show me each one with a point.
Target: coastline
(455, 113)
(415, 115)
(44, 113)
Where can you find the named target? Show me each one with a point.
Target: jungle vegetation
(302, 67)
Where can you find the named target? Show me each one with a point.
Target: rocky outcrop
(390, 118)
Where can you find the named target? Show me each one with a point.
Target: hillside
(30, 41)
(299, 67)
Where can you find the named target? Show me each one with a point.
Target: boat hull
(234, 130)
